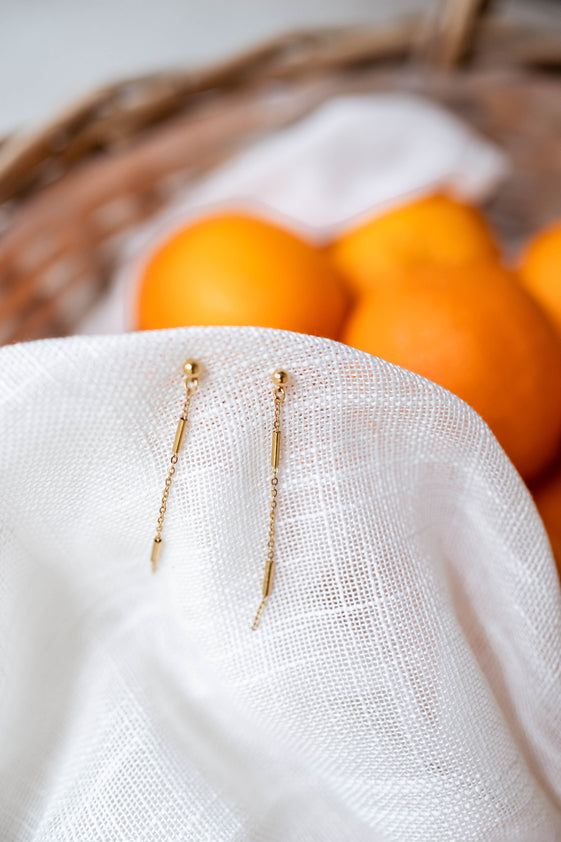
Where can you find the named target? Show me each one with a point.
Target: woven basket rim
(434, 42)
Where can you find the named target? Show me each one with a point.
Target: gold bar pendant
(275, 452)
(179, 435)
(269, 576)
(156, 550)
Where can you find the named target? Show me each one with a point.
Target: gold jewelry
(191, 369)
(280, 379)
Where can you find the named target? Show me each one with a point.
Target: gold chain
(279, 396)
(190, 384)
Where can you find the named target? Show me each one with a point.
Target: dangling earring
(191, 369)
(280, 379)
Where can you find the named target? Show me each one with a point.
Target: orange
(540, 270)
(480, 335)
(236, 270)
(435, 230)
(548, 500)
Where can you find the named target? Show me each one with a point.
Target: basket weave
(71, 191)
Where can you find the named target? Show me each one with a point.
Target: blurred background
(52, 51)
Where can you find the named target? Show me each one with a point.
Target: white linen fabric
(405, 681)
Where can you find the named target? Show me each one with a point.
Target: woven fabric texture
(405, 681)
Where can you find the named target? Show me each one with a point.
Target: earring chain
(279, 396)
(191, 383)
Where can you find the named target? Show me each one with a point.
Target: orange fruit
(435, 230)
(237, 270)
(480, 335)
(540, 270)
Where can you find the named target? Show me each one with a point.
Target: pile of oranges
(423, 286)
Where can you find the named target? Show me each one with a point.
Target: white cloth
(405, 681)
(351, 158)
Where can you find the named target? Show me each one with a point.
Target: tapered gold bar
(156, 550)
(269, 576)
(275, 452)
(179, 435)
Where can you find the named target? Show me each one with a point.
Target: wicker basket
(70, 192)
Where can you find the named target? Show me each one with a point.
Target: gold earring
(280, 379)
(191, 369)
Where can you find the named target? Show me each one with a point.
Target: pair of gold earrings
(280, 379)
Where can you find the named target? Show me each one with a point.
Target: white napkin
(351, 158)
